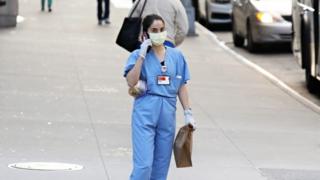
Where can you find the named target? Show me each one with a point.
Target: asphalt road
(276, 59)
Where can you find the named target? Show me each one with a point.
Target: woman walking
(161, 74)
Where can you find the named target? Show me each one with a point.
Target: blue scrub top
(177, 70)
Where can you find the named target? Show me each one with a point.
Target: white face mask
(158, 39)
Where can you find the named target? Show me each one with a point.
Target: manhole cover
(46, 166)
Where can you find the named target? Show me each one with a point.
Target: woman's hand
(188, 118)
(144, 48)
(139, 89)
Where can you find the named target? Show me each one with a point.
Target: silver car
(261, 21)
(214, 11)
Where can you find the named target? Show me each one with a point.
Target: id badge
(163, 80)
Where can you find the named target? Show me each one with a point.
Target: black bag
(128, 37)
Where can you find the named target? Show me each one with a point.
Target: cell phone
(145, 37)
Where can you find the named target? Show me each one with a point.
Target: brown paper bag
(183, 147)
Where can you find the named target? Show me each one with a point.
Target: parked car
(213, 11)
(261, 21)
(306, 34)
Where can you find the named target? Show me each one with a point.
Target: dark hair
(148, 20)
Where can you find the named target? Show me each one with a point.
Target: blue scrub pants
(153, 131)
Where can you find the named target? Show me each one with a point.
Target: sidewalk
(63, 99)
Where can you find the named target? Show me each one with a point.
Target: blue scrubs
(154, 114)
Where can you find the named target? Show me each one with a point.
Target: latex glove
(144, 47)
(188, 118)
(139, 89)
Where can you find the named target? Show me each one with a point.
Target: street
(63, 99)
(276, 59)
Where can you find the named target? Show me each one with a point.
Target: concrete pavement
(63, 99)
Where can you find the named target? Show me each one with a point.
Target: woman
(162, 73)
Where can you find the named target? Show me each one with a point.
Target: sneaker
(42, 9)
(100, 22)
(107, 21)
(50, 10)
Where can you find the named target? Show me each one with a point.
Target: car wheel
(252, 46)
(238, 40)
